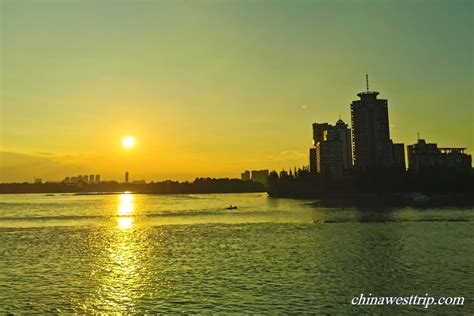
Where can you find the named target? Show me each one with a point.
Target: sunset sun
(128, 142)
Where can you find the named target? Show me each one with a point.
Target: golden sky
(211, 88)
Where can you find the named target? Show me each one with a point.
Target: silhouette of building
(329, 159)
(84, 179)
(424, 156)
(318, 131)
(313, 160)
(260, 176)
(373, 147)
(245, 176)
(126, 177)
(398, 151)
(332, 152)
(343, 135)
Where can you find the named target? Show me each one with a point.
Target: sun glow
(128, 142)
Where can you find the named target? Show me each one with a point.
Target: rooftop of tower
(367, 92)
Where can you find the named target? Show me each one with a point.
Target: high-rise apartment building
(373, 147)
(313, 160)
(332, 154)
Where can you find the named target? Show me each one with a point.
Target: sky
(212, 88)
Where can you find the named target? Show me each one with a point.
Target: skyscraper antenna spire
(367, 81)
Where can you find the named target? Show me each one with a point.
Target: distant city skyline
(214, 88)
(372, 148)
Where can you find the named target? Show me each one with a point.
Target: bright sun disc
(128, 142)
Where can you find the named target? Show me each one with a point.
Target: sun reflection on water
(126, 208)
(124, 222)
(126, 205)
(120, 278)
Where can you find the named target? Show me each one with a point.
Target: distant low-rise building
(245, 176)
(83, 179)
(424, 156)
(260, 176)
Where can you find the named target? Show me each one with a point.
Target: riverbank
(417, 199)
(199, 185)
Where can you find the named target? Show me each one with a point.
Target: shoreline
(370, 200)
(403, 199)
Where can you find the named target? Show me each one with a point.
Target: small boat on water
(232, 207)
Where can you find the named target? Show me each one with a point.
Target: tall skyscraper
(126, 177)
(318, 131)
(344, 136)
(312, 160)
(399, 156)
(97, 178)
(373, 147)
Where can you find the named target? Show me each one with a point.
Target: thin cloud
(287, 155)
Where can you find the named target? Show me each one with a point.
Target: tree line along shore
(199, 185)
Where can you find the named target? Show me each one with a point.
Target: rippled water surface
(188, 253)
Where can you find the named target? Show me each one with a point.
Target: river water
(189, 254)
